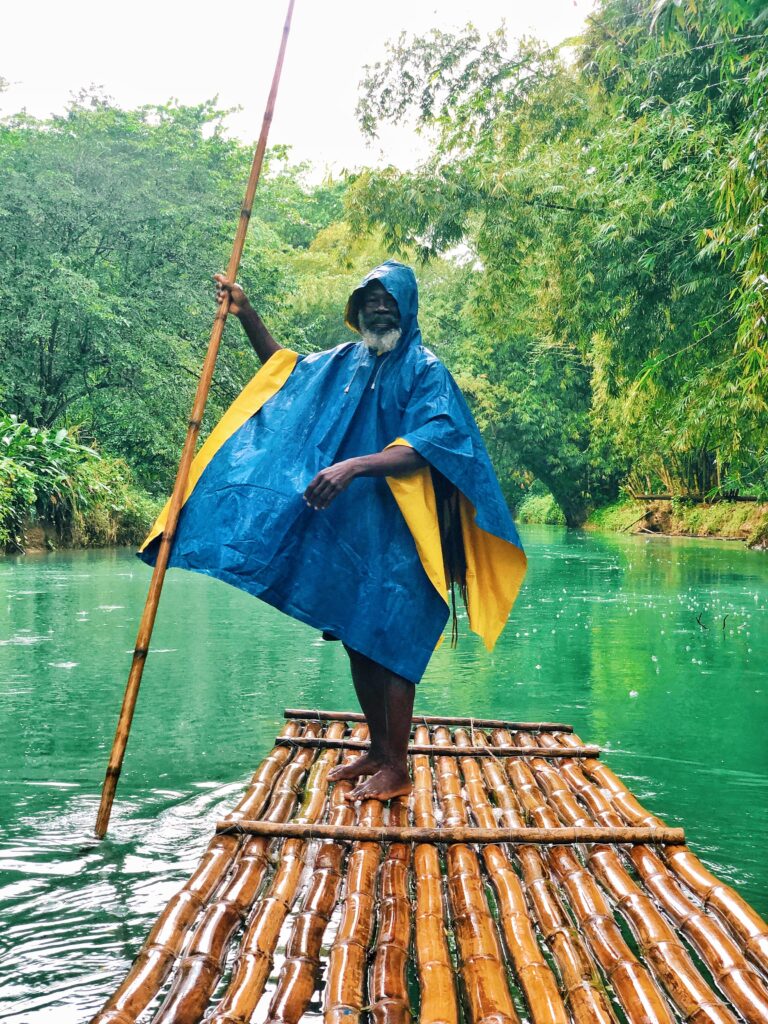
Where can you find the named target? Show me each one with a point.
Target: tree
(113, 222)
(620, 239)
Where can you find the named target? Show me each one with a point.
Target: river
(656, 648)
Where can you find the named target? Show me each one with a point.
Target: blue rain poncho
(370, 568)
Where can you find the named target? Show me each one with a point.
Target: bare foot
(368, 764)
(386, 784)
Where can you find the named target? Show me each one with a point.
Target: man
(350, 488)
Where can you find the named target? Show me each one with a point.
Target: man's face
(378, 310)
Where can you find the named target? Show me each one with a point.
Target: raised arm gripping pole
(166, 542)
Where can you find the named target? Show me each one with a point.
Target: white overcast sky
(149, 52)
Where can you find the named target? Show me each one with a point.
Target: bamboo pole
(483, 971)
(261, 934)
(388, 987)
(557, 835)
(439, 1004)
(315, 714)
(641, 1000)
(345, 990)
(451, 750)
(298, 974)
(585, 992)
(745, 923)
(717, 897)
(141, 650)
(708, 933)
(533, 972)
(199, 970)
(161, 947)
(662, 949)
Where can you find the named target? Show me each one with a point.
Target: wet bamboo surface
(283, 929)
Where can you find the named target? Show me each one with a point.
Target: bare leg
(387, 703)
(370, 697)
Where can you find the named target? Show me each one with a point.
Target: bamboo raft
(520, 881)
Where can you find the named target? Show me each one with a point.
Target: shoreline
(739, 522)
(746, 522)
(743, 522)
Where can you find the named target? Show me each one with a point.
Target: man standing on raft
(351, 489)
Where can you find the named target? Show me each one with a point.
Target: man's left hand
(330, 482)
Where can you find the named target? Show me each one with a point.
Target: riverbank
(724, 520)
(57, 492)
(109, 528)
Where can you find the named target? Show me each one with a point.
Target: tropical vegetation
(589, 228)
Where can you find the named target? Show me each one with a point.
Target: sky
(144, 52)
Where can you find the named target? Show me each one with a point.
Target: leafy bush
(540, 508)
(17, 498)
(49, 476)
(115, 511)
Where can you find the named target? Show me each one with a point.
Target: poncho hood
(400, 281)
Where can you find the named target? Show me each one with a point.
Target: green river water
(604, 635)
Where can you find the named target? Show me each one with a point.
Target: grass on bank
(619, 516)
(747, 521)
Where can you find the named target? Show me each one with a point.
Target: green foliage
(111, 224)
(115, 510)
(50, 477)
(540, 508)
(591, 233)
(722, 519)
(617, 210)
(619, 515)
(683, 517)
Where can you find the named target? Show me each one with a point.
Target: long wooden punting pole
(193, 429)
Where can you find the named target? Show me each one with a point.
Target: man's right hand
(238, 301)
(263, 343)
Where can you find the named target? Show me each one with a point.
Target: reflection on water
(655, 648)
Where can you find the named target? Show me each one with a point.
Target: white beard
(380, 342)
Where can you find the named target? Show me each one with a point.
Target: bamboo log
(147, 623)
(638, 994)
(199, 971)
(345, 995)
(483, 972)
(449, 751)
(533, 972)
(388, 988)
(260, 937)
(298, 974)
(713, 941)
(436, 975)
(309, 714)
(723, 901)
(662, 949)
(585, 992)
(561, 835)
(161, 947)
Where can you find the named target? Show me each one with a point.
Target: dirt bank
(726, 520)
